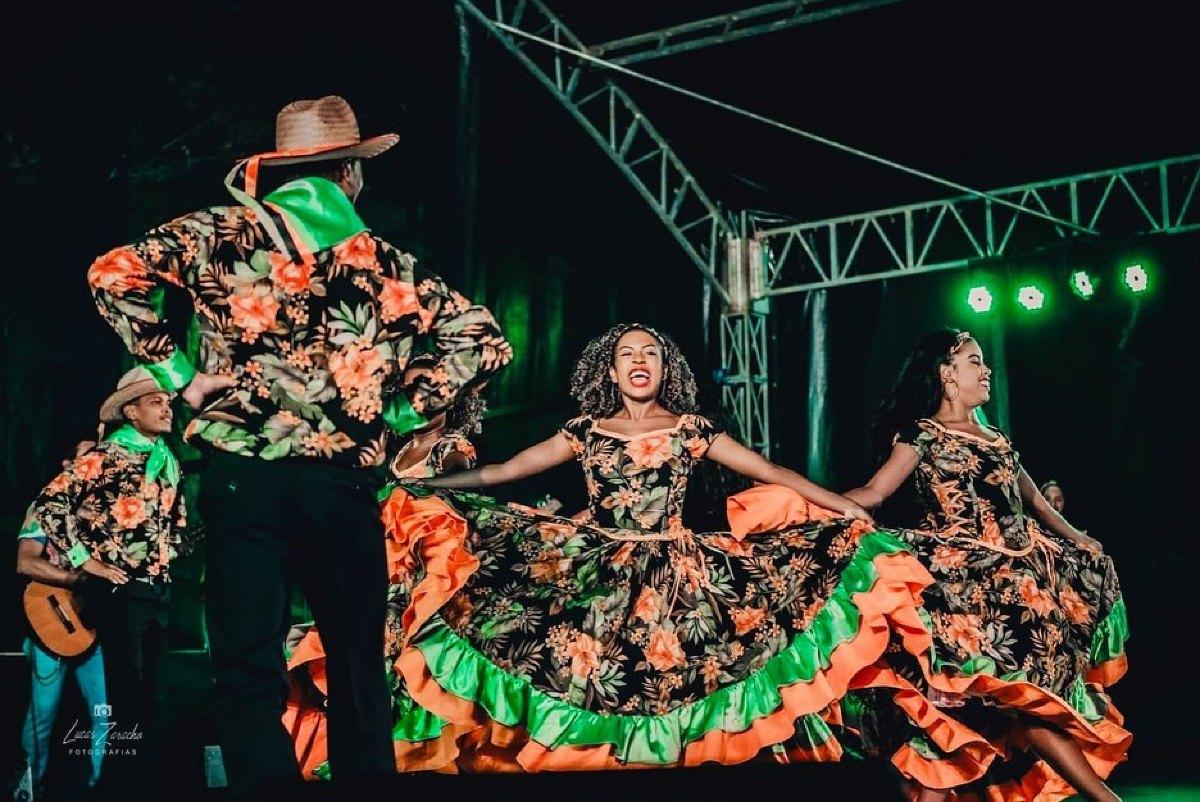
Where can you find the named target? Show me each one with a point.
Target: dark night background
(114, 122)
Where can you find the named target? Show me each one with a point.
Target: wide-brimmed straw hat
(132, 386)
(320, 130)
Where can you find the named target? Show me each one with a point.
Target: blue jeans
(49, 674)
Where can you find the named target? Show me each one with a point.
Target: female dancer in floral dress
(411, 526)
(626, 640)
(1027, 618)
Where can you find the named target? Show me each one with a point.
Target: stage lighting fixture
(1136, 278)
(1031, 297)
(980, 299)
(1082, 284)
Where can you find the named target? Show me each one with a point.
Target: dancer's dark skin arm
(32, 562)
(889, 477)
(1051, 518)
(735, 456)
(533, 460)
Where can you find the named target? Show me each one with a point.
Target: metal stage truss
(747, 267)
(724, 28)
(617, 125)
(1152, 198)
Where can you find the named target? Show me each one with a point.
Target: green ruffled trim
(1108, 641)
(417, 724)
(657, 740)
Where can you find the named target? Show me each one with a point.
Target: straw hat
(324, 129)
(132, 386)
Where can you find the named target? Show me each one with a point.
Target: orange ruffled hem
(1109, 672)
(305, 723)
(431, 528)
(1104, 743)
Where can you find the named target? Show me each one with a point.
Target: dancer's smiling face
(637, 365)
(967, 378)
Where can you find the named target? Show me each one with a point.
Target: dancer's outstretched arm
(892, 474)
(735, 456)
(535, 459)
(1049, 516)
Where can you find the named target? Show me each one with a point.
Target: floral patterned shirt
(103, 506)
(318, 347)
(638, 481)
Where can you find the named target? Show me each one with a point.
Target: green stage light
(1083, 284)
(1031, 297)
(980, 299)
(1136, 278)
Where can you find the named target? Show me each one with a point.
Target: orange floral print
(965, 631)
(1033, 597)
(746, 619)
(118, 272)
(354, 368)
(948, 558)
(650, 451)
(623, 555)
(291, 277)
(664, 651)
(648, 605)
(129, 511)
(358, 251)
(584, 652)
(399, 298)
(549, 566)
(1073, 605)
(254, 310)
(89, 466)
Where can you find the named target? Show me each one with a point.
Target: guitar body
(53, 614)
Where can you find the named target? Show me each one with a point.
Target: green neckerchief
(161, 462)
(317, 211)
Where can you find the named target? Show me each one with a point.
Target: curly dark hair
(599, 397)
(465, 415)
(917, 392)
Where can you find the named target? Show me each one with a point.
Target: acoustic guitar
(54, 615)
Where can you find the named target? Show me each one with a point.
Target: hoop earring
(946, 386)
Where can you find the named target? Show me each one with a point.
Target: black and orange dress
(1024, 623)
(628, 641)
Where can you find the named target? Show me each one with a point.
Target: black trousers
(131, 623)
(266, 520)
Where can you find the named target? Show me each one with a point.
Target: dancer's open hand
(1089, 543)
(203, 385)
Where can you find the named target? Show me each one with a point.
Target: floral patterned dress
(629, 641)
(1022, 621)
(304, 716)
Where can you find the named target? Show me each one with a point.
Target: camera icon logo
(102, 710)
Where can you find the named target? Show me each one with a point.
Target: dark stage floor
(187, 714)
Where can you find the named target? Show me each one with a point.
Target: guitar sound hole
(62, 615)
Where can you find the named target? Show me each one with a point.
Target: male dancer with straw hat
(307, 322)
